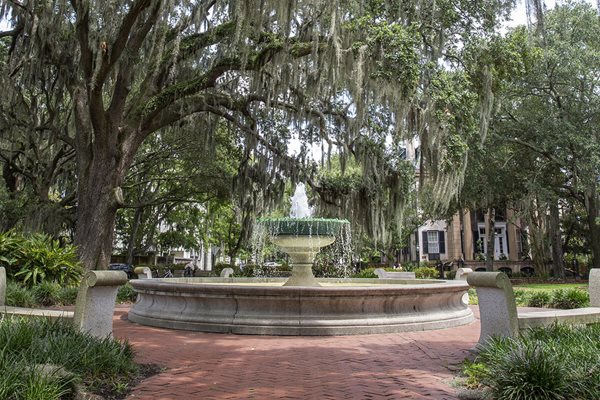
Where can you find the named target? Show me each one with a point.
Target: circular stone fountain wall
(263, 307)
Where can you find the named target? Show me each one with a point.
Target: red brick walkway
(219, 366)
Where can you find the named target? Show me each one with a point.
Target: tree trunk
(591, 205)
(95, 229)
(558, 265)
(99, 197)
(490, 230)
(137, 217)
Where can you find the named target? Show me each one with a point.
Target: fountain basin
(244, 306)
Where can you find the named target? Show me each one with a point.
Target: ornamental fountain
(302, 304)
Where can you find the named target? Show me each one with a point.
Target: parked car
(127, 268)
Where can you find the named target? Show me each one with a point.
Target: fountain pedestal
(302, 251)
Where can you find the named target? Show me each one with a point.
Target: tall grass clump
(19, 296)
(552, 363)
(539, 298)
(569, 298)
(31, 345)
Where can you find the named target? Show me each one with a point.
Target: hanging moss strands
(359, 77)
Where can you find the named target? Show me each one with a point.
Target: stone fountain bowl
(303, 226)
(263, 306)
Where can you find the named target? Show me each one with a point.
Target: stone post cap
(105, 278)
(141, 270)
(489, 279)
(380, 272)
(226, 272)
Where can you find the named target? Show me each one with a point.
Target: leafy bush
(569, 298)
(19, 296)
(557, 362)
(68, 295)
(365, 273)
(521, 297)
(126, 294)
(37, 257)
(450, 275)
(46, 293)
(29, 344)
(538, 298)
(473, 299)
(426, 273)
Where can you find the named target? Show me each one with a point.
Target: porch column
(467, 235)
(512, 232)
(453, 244)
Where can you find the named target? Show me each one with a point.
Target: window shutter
(442, 243)
(424, 244)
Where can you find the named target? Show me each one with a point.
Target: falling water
(339, 253)
(300, 207)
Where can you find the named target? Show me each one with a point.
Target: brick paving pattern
(416, 365)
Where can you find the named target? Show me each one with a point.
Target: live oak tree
(553, 111)
(129, 69)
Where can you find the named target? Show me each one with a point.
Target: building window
(432, 242)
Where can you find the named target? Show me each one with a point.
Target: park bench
(94, 307)
(498, 309)
(383, 274)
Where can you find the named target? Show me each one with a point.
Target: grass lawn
(552, 286)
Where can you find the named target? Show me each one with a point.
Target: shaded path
(417, 365)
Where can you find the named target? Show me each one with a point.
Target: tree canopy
(351, 75)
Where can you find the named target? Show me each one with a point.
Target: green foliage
(47, 293)
(450, 275)
(426, 273)
(19, 296)
(473, 299)
(365, 273)
(569, 298)
(29, 343)
(557, 362)
(475, 373)
(126, 294)
(37, 257)
(68, 295)
(539, 298)
(521, 297)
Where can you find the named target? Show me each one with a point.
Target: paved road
(219, 366)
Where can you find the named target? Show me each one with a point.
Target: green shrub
(365, 273)
(538, 298)
(569, 298)
(521, 297)
(68, 295)
(556, 362)
(19, 296)
(527, 371)
(450, 275)
(126, 294)
(29, 343)
(426, 273)
(473, 299)
(47, 293)
(37, 257)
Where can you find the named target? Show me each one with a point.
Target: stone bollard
(461, 274)
(143, 272)
(95, 303)
(226, 272)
